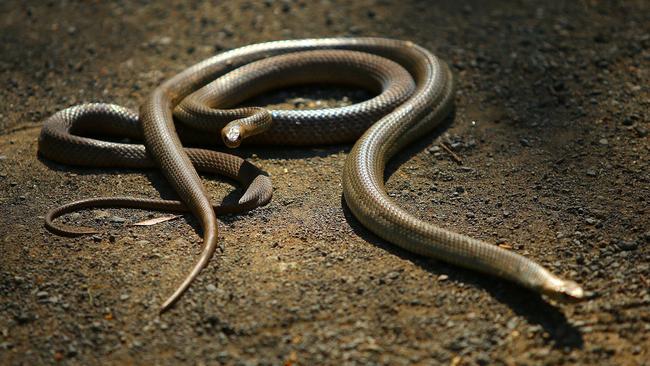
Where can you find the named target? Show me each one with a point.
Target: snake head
(231, 135)
(563, 291)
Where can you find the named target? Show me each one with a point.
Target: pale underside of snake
(415, 92)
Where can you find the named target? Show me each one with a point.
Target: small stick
(453, 155)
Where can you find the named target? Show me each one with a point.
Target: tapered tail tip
(167, 304)
(182, 288)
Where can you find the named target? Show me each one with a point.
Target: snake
(414, 91)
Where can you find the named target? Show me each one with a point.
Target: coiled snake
(415, 92)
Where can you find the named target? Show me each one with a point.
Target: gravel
(551, 128)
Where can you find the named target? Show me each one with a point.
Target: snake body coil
(415, 93)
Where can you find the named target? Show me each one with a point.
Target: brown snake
(415, 92)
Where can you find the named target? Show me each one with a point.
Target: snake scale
(415, 91)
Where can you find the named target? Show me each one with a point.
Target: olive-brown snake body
(416, 93)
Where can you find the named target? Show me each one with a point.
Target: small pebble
(23, 318)
(627, 245)
(117, 219)
(628, 121)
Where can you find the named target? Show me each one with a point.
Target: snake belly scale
(415, 92)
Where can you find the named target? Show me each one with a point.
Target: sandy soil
(551, 126)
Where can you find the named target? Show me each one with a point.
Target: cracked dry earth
(551, 127)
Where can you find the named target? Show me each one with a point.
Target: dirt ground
(551, 126)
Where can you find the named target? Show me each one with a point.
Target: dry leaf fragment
(156, 220)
